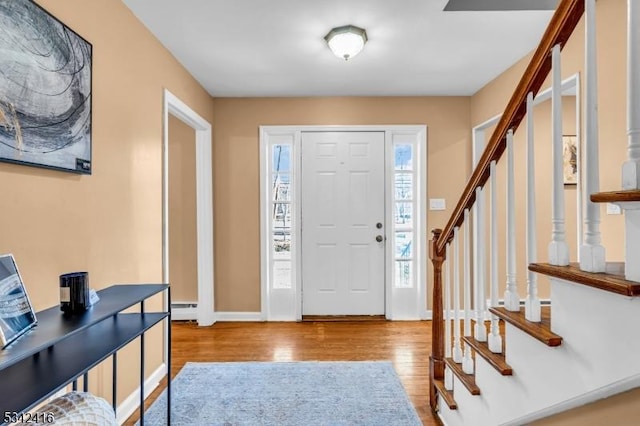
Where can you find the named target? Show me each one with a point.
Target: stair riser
(632, 244)
(600, 327)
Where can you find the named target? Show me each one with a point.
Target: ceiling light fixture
(346, 42)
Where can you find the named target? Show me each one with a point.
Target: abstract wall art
(45, 90)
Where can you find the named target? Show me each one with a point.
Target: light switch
(437, 204)
(613, 209)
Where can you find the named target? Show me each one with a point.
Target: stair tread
(468, 380)
(497, 361)
(616, 196)
(447, 395)
(541, 331)
(612, 281)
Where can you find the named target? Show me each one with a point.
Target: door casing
(400, 303)
(204, 202)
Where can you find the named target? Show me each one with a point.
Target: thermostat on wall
(437, 204)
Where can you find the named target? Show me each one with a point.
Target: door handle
(379, 238)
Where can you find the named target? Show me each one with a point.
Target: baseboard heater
(184, 311)
(184, 305)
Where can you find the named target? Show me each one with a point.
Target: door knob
(379, 238)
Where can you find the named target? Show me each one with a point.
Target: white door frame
(400, 303)
(204, 202)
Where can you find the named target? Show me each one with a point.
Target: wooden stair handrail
(559, 30)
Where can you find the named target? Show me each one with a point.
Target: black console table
(60, 349)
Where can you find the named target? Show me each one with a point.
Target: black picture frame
(45, 90)
(16, 312)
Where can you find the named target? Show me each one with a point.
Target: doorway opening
(175, 109)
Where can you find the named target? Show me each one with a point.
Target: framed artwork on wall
(570, 159)
(45, 90)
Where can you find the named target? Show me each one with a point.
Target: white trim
(275, 305)
(239, 316)
(204, 203)
(132, 402)
(586, 398)
(184, 314)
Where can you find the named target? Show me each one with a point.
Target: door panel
(342, 200)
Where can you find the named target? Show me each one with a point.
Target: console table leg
(114, 382)
(85, 382)
(74, 387)
(142, 371)
(169, 358)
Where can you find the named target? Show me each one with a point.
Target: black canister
(74, 292)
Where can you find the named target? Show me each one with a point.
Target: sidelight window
(281, 196)
(404, 215)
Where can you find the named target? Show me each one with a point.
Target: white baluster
(457, 346)
(558, 248)
(511, 297)
(532, 303)
(495, 339)
(592, 253)
(480, 331)
(448, 376)
(631, 168)
(467, 361)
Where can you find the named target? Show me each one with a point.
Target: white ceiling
(238, 48)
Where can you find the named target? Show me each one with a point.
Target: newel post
(436, 360)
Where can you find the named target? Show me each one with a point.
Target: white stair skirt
(576, 368)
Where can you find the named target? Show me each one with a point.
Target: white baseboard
(587, 398)
(132, 402)
(239, 316)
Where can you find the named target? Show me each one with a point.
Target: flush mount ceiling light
(346, 42)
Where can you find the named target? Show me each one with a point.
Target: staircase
(497, 358)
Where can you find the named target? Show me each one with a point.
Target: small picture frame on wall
(570, 159)
(45, 90)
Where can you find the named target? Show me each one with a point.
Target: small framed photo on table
(16, 314)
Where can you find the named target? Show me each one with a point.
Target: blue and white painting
(45, 90)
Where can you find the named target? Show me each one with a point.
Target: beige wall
(236, 168)
(619, 410)
(183, 262)
(493, 98)
(109, 223)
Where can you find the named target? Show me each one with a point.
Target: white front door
(342, 219)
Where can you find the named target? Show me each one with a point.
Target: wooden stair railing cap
(539, 330)
(616, 196)
(447, 395)
(497, 361)
(468, 380)
(611, 280)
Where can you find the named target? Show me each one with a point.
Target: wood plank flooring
(406, 344)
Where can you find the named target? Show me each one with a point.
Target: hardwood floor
(405, 344)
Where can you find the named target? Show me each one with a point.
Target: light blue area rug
(286, 393)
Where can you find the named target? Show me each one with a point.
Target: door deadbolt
(379, 238)
(379, 225)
